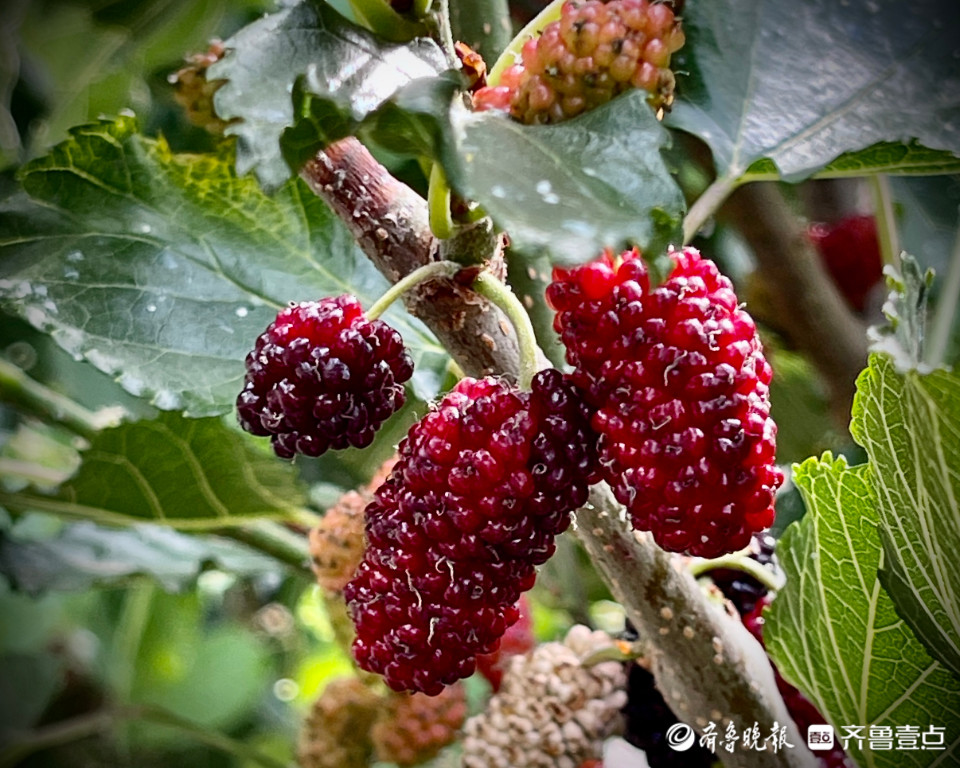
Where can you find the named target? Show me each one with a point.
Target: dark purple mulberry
(323, 376)
(681, 387)
(741, 588)
(483, 485)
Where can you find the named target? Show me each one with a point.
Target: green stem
(500, 294)
(945, 316)
(431, 271)
(273, 540)
(438, 204)
(20, 390)
(511, 53)
(739, 562)
(214, 739)
(441, 16)
(886, 221)
(127, 637)
(707, 205)
(68, 731)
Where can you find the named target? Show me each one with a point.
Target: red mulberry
(483, 485)
(851, 253)
(323, 376)
(681, 390)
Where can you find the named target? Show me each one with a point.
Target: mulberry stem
(500, 294)
(438, 203)
(429, 271)
(21, 391)
(742, 563)
(945, 316)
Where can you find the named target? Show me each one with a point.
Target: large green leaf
(835, 633)
(909, 423)
(82, 555)
(209, 673)
(593, 182)
(163, 269)
(801, 82)
(184, 473)
(311, 39)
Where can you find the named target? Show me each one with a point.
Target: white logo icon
(680, 737)
(820, 737)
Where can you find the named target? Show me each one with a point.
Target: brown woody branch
(705, 662)
(390, 222)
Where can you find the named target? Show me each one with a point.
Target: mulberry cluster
(551, 711)
(681, 390)
(595, 51)
(323, 376)
(337, 543)
(415, 727)
(483, 485)
(336, 731)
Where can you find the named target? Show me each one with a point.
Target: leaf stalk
(946, 313)
(19, 390)
(431, 271)
(499, 293)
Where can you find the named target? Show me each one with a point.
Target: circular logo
(680, 737)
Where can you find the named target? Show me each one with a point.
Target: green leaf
(909, 424)
(184, 473)
(211, 676)
(803, 82)
(592, 182)
(310, 39)
(83, 555)
(163, 269)
(834, 632)
(904, 160)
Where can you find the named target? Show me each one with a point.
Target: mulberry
(850, 251)
(483, 485)
(336, 732)
(681, 390)
(595, 51)
(323, 376)
(740, 588)
(551, 711)
(415, 727)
